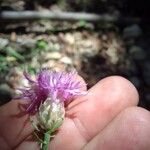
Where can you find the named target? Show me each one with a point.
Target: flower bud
(51, 115)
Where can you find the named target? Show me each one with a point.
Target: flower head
(56, 85)
(51, 115)
(60, 85)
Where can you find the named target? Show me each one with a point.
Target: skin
(104, 119)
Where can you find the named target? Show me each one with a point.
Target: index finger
(105, 101)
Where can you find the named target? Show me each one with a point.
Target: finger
(28, 145)
(129, 131)
(91, 113)
(13, 127)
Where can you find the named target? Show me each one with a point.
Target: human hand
(106, 118)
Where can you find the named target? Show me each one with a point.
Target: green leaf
(56, 126)
(10, 51)
(82, 23)
(41, 44)
(31, 70)
(2, 58)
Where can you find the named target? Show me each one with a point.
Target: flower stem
(46, 140)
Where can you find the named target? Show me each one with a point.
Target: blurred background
(97, 37)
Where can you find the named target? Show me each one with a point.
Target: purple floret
(57, 85)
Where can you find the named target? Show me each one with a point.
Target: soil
(95, 50)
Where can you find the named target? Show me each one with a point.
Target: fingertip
(118, 86)
(106, 99)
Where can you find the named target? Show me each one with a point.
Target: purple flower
(56, 85)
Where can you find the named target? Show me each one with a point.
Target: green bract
(51, 115)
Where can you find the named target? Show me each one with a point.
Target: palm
(88, 119)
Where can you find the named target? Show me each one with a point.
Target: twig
(67, 16)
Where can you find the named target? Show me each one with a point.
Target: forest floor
(95, 50)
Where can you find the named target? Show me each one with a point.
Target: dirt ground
(95, 50)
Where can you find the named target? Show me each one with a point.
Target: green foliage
(31, 70)
(13, 53)
(41, 44)
(82, 23)
(3, 64)
(8, 58)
